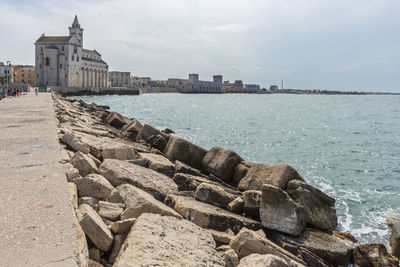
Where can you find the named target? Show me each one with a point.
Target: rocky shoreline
(144, 197)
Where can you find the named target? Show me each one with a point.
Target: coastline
(156, 144)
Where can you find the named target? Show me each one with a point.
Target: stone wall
(73, 91)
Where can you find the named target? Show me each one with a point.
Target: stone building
(251, 87)
(62, 61)
(24, 74)
(120, 79)
(236, 87)
(140, 81)
(194, 85)
(5, 71)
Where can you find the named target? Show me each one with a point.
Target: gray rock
(221, 238)
(148, 131)
(109, 211)
(159, 163)
(121, 172)
(72, 141)
(120, 152)
(94, 185)
(94, 227)
(115, 197)
(188, 182)
(279, 212)
(95, 254)
(236, 205)
(95, 160)
(394, 239)
(123, 226)
(116, 120)
(141, 162)
(335, 249)
(91, 201)
(84, 164)
(184, 151)
(318, 206)
(118, 241)
(277, 175)
(251, 202)
(248, 242)
(133, 128)
(374, 255)
(258, 260)
(240, 171)
(71, 172)
(214, 195)
(230, 258)
(156, 240)
(73, 195)
(208, 216)
(101, 114)
(221, 162)
(184, 168)
(138, 201)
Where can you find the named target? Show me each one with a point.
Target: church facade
(62, 61)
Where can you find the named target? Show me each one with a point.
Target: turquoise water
(348, 146)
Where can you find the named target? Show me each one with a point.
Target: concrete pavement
(36, 216)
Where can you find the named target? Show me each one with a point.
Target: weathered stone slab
(121, 172)
(374, 255)
(336, 249)
(110, 211)
(118, 241)
(159, 163)
(236, 205)
(148, 131)
(258, 260)
(240, 171)
(94, 185)
(120, 152)
(91, 201)
(156, 240)
(230, 257)
(214, 195)
(184, 151)
(251, 202)
(84, 164)
(279, 212)
(221, 238)
(94, 227)
(277, 175)
(184, 168)
(221, 162)
(115, 119)
(72, 141)
(208, 216)
(248, 242)
(123, 226)
(394, 239)
(138, 201)
(115, 197)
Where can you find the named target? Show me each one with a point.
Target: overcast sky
(325, 44)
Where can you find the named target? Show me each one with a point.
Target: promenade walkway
(36, 216)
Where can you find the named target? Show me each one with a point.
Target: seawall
(76, 91)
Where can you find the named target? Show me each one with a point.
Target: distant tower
(217, 79)
(76, 30)
(194, 78)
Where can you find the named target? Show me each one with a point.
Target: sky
(309, 44)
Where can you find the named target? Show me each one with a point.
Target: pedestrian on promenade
(36, 90)
(17, 93)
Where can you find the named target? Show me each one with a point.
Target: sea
(346, 145)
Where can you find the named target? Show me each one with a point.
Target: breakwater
(214, 189)
(77, 91)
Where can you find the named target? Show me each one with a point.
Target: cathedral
(62, 61)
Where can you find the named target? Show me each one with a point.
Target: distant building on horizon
(194, 85)
(120, 79)
(251, 87)
(24, 74)
(62, 61)
(236, 87)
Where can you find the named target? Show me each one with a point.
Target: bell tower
(76, 30)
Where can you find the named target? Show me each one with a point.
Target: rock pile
(143, 197)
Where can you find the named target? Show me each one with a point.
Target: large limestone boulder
(132, 129)
(118, 241)
(277, 175)
(266, 260)
(84, 164)
(184, 151)
(72, 141)
(109, 211)
(153, 136)
(123, 226)
(221, 162)
(394, 239)
(335, 249)
(240, 171)
(214, 195)
(120, 152)
(279, 212)
(236, 205)
(248, 242)
(374, 255)
(156, 240)
(94, 227)
(138, 201)
(208, 216)
(159, 163)
(230, 257)
(94, 185)
(318, 206)
(121, 172)
(251, 202)
(184, 168)
(116, 120)
(188, 182)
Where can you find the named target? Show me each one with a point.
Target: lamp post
(8, 73)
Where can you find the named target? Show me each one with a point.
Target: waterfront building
(236, 87)
(120, 79)
(251, 87)
(140, 81)
(274, 88)
(23, 74)
(5, 71)
(194, 85)
(62, 61)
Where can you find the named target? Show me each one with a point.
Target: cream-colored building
(120, 79)
(62, 61)
(24, 74)
(194, 85)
